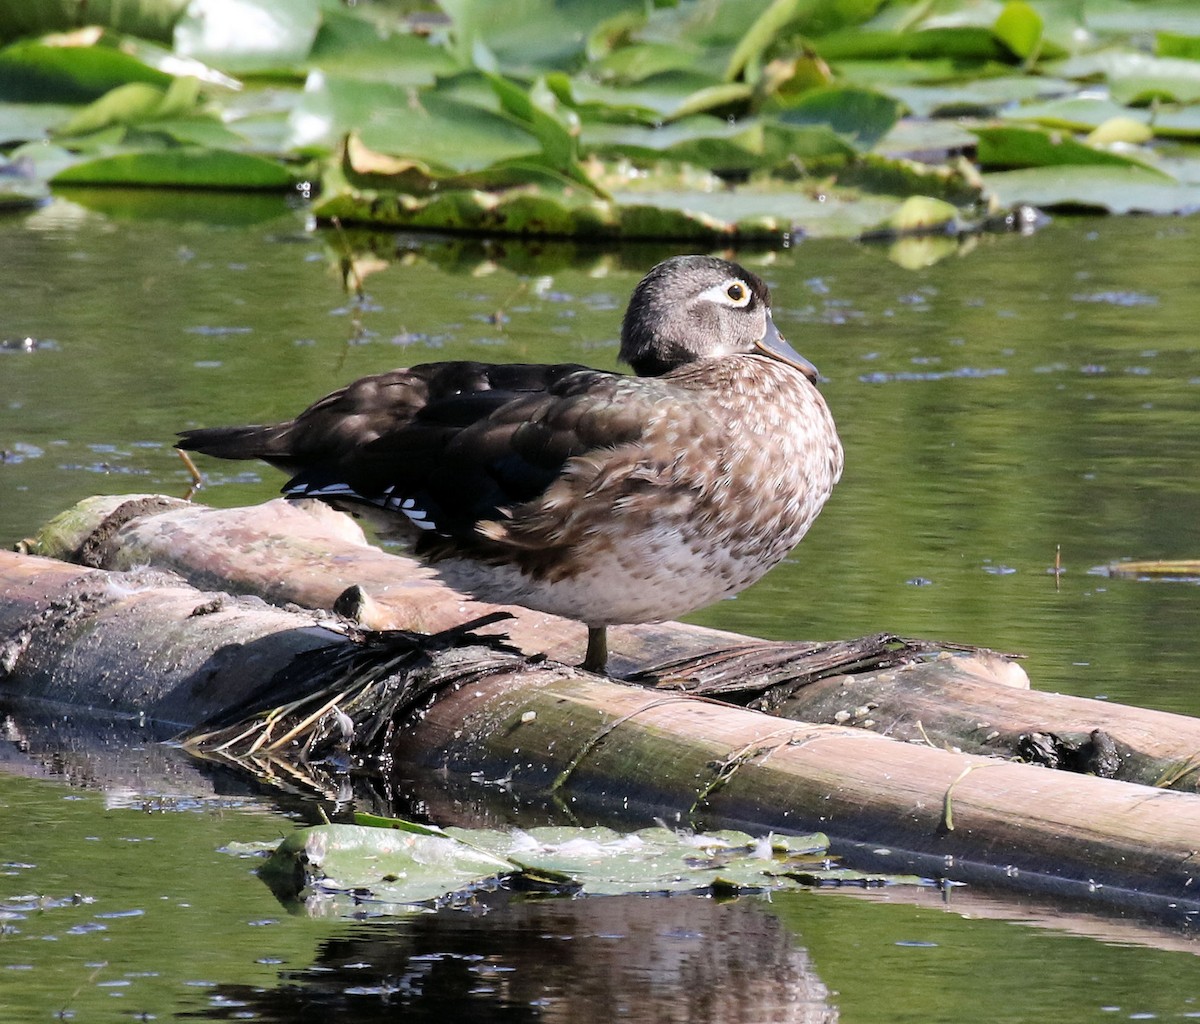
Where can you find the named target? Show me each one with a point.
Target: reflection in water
(639, 959)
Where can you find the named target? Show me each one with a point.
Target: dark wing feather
(448, 444)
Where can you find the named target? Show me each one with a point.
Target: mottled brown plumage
(602, 497)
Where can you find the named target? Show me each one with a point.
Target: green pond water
(1029, 396)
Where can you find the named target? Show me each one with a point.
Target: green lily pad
(440, 130)
(150, 19)
(604, 862)
(1177, 123)
(386, 864)
(1019, 27)
(349, 45)
(715, 143)
(531, 36)
(1077, 113)
(20, 122)
(917, 135)
(701, 140)
(947, 44)
(177, 206)
(1121, 18)
(861, 116)
(762, 33)
(248, 35)
(134, 103)
(402, 869)
(1134, 77)
(637, 62)
(1005, 147)
(33, 71)
(182, 167)
(1172, 44)
(978, 96)
(1111, 188)
(1086, 114)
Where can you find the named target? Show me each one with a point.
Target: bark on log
(310, 555)
(139, 643)
(551, 728)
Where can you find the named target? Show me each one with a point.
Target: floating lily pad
(383, 864)
(861, 116)
(398, 868)
(1005, 147)
(981, 97)
(149, 19)
(735, 118)
(183, 167)
(1172, 44)
(350, 45)
(34, 71)
(248, 35)
(1112, 189)
(1134, 77)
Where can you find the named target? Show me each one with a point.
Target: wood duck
(599, 496)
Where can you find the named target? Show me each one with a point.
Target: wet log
(140, 643)
(934, 694)
(146, 645)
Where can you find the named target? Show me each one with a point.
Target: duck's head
(693, 308)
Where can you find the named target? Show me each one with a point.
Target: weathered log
(309, 555)
(139, 643)
(546, 727)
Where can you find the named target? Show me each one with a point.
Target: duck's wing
(443, 444)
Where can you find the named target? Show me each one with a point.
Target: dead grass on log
(337, 707)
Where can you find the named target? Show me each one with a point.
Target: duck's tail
(254, 442)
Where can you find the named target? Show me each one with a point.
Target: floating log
(940, 695)
(142, 644)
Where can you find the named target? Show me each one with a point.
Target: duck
(605, 497)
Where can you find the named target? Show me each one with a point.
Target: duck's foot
(596, 659)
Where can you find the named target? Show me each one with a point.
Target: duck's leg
(596, 658)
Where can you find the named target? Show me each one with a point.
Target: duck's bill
(775, 345)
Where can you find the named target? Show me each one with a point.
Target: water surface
(1033, 396)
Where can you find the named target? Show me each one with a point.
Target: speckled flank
(721, 486)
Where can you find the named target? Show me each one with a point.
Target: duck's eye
(730, 292)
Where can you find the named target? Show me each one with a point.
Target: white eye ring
(734, 292)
